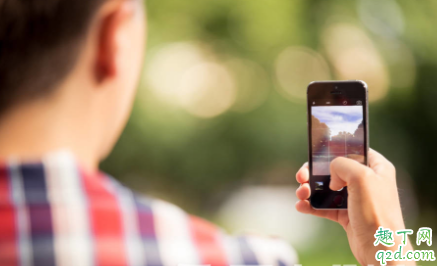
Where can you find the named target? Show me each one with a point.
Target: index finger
(379, 163)
(303, 175)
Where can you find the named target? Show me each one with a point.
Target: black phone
(337, 126)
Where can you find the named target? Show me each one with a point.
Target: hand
(373, 201)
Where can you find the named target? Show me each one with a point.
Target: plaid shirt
(54, 213)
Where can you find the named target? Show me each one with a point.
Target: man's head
(82, 55)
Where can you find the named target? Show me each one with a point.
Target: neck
(34, 129)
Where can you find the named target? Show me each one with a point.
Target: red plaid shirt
(53, 213)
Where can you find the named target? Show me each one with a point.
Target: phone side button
(338, 200)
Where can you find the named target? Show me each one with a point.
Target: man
(68, 72)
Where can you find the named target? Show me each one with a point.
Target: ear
(112, 19)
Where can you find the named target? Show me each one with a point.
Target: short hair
(40, 42)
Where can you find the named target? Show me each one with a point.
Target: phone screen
(337, 130)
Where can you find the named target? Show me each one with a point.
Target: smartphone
(337, 127)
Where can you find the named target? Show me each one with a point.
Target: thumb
(347, 172)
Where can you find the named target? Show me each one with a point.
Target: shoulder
(170, 236)
(184, 238)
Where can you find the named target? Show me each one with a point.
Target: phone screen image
(336, 131)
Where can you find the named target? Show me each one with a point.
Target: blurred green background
(219, 123)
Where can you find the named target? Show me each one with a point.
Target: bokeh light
(355, 57)
(207, 90)
(185, 75)
(167, 67)
(384, 18)
(269, 210)
(296, 67)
